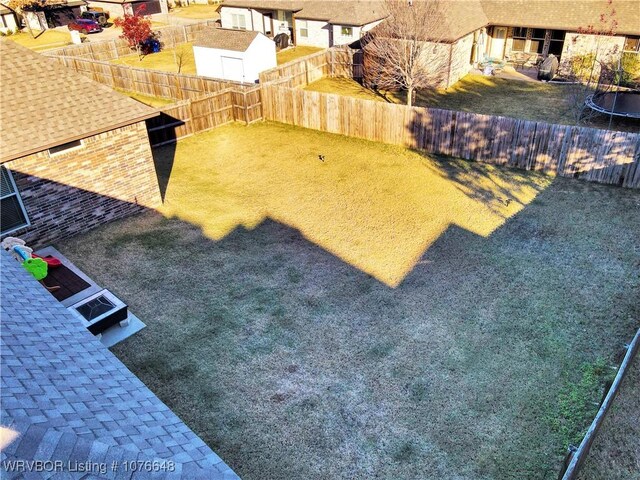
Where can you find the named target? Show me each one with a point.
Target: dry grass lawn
(197, 12)
(539, 101)
(381, 314)
(46, 40)
(294, 53)
(165, 60)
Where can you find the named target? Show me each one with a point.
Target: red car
(85, 26)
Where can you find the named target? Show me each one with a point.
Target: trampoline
(620, 103)
(613, 97)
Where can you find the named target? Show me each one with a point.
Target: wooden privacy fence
(116, 48)
(334, 62)
(200, 114)
(153, 83)
(597, 155)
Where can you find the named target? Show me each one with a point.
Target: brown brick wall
(110, 177)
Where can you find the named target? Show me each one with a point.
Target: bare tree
(174, 39)
(592, 58)
(403, 52)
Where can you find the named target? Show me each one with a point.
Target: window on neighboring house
(65, 146)
(238, 21)
(519, 39)
(304, 28)
(557, 42)
(12, 213)
(537, 40)
(632, 44)
(347, 31)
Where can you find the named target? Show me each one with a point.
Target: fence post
(306, 71)
(184, 32)
(246, 107)
(331, 60)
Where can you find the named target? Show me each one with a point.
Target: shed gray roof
(69, 398)
(225, 39)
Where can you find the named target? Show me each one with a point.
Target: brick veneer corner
(110, 177)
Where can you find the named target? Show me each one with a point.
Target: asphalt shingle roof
(225, 39)
(349, 12)
(43, 104)
(563, 14)
(460, 17)
(69, 398)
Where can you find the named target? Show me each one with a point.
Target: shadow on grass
(263, 336)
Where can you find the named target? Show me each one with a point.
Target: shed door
(232, 68)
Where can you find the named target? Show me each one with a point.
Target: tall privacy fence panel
(592, 154)
(202, 103)
(113, 49)
(154, 83)
(334, 62)
(597, 155)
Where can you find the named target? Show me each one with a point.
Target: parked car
(85, 26)
(97, 16)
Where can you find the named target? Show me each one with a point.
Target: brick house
(74, 154)
(466, 30)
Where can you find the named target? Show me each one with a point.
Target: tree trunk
(409, 96)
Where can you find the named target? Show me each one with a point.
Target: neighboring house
(307, 22)
(66, 400)
(235, 55)
(74, 154)
(468, 31)
(118, 8)
(464, 32)
(8, 19)
(552, 27)
(55, 13)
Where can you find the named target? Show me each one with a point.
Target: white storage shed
(237, 55)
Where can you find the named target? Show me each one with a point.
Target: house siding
(115, 10)
(608, 48)
(320, 33)
(460, 63)
(110, 177)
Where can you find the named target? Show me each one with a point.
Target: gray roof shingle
(69, 398)
(225, 39)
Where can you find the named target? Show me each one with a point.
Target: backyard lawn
(546, 102)
(294, 53)
(46, 40)
(167, 60)
(197, 12)
(375, 314)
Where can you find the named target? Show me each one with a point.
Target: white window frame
(346, 35)
(236, 24)
(67, 150)
(304, 28)
(15, 193)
